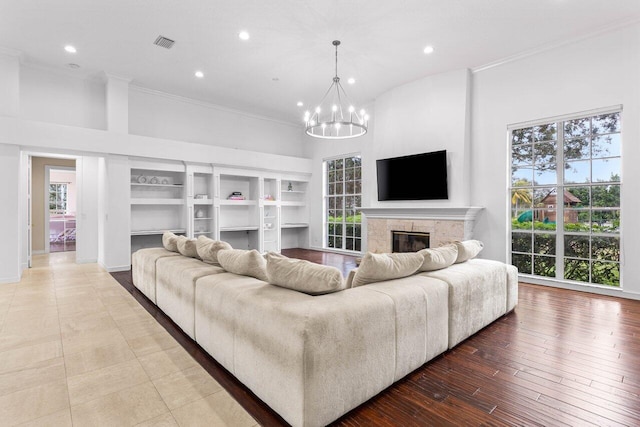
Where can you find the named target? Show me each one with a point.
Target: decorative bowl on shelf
(154, 180)
(142, 179)
(201, 196)
(165, 181)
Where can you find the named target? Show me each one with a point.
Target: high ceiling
(289, 57)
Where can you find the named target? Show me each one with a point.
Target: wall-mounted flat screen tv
(416, 177)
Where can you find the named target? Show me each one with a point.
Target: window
(57, 198)
(565, 221)
(342, 202)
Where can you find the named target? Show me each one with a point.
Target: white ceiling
(382, 41)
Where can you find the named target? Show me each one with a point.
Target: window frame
(325, 207)
(560, 186)
(58, 201)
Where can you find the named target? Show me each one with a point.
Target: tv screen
(417, 177)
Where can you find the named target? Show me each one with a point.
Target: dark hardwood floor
(560, 358)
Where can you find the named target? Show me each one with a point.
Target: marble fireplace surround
(443, 224)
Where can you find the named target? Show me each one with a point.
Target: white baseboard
(86, 261)
(14, 279)
(116, 268)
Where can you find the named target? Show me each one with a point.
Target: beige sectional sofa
(314, 358)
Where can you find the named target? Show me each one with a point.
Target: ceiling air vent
(164, 42)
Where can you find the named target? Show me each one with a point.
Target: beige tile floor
(76, 349)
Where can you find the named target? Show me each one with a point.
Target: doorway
(53, 204)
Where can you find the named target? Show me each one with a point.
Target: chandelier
(335, 117)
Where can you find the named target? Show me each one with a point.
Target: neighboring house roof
(550, 199)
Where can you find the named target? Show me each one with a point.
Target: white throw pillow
(208, 249)
(187, 247)
(303, 276)
(468, 249)
(379, 267)
(170, 241)
(438, 258)
(245, 262)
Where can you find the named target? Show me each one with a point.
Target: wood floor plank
(561, 357)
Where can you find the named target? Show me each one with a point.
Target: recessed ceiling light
(300, 104)
(70, 49)
(199, 74)
(72, 65)
(428, 49)
(243, 35)
(275, 79)
(351, 80)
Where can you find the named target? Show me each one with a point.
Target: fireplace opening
(409, 241)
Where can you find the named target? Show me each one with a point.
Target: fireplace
(409, 241)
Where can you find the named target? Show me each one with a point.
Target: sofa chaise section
(176, 288)
(143, 269)
(480, 291)
(314, 358)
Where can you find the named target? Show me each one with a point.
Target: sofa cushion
(438, 258)
(468, 249)
(303, 276)
(187, 247)
(208, 249)
(170, 241)
(244, 262)
(378, 267)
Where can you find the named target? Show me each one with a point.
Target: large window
(565, 221)
(57, 198)
(343, 199)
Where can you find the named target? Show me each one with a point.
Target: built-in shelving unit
(157, 201)
(256, 221)
(250, 209)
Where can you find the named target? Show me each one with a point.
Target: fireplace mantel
(444, 224)
(467, 213)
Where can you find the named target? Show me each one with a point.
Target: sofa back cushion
(378, 267)
(170, 241)
(438, 258)
(208, 249)
(468, 249)
(187, 247)
(303, 276)
(244, 262)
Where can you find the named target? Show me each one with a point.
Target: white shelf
(295, 225)
(155, 232)
(150, 201)
(138, 184)
(202, 201)
(283, 203)
(269, 217)
(293, 191)
(238, 202)
(240, 228)
(202, 219)
(197, 233)
(270, 203)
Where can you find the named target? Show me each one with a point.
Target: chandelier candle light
(335, 117)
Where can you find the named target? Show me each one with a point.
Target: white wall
(10, 218)
(429, 114)
(57, 97)
(596, 72)
(169, 117)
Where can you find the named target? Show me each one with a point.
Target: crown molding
(554, 45)
(209, 105)
(111, 76)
